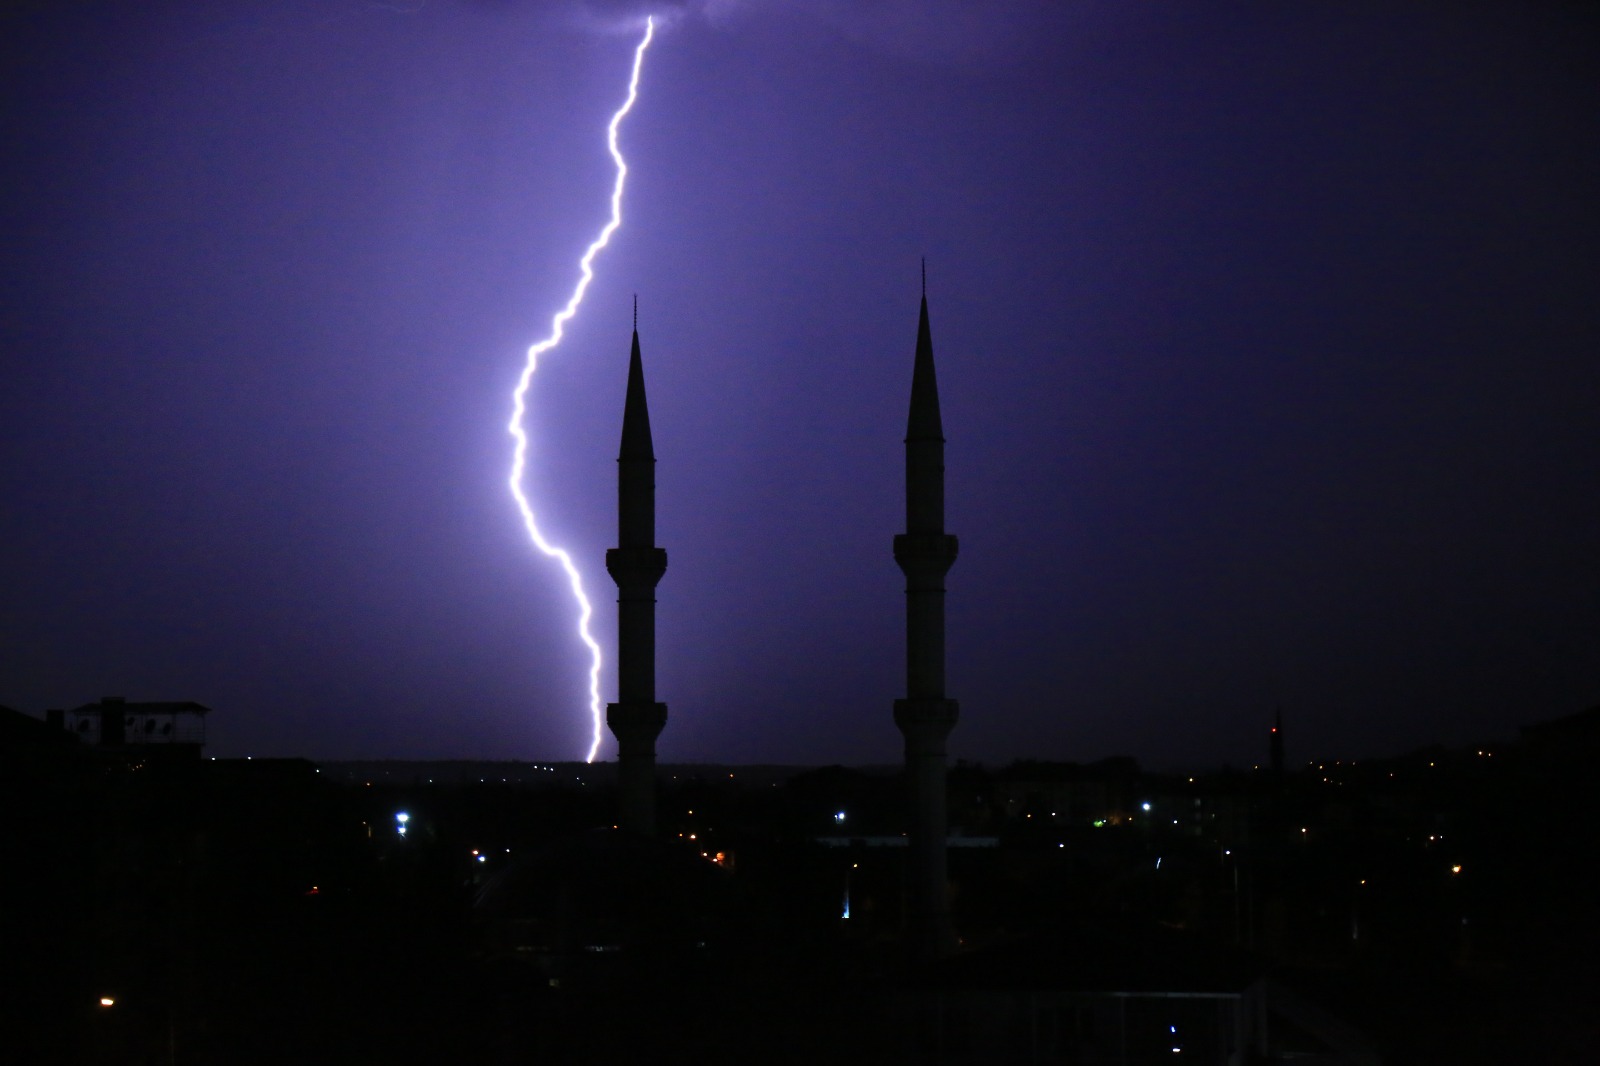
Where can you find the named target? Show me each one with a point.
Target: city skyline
(1265, 341)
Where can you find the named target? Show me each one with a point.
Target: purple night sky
(1266, 334)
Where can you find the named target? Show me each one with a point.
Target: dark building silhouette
(1573, 740)
(32, 747)
(925, 553)
(112, 723)
(636, 565)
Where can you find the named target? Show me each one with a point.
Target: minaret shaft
(635, 571)
(924, 638)
(924, 486)
(636, 503)
(636, 565)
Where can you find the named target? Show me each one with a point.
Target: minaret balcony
(927, 721)
(633, 566)
(925, 554)
(636, 725)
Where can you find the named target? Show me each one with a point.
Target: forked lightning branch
(519, 406)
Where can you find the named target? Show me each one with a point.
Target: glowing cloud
(519, 405)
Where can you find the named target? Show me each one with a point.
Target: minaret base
(926, 723)
(636, 726)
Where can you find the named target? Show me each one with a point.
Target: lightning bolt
(519, 399)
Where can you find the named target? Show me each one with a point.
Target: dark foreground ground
(262, 913)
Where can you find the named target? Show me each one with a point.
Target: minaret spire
(636, 565)
(925, 553)
(1275, 750)
(637, 445)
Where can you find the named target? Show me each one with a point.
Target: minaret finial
(636, 306)
(924, 277)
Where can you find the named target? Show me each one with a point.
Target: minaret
(925, 553)
(636, 565)
(1276, 747)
